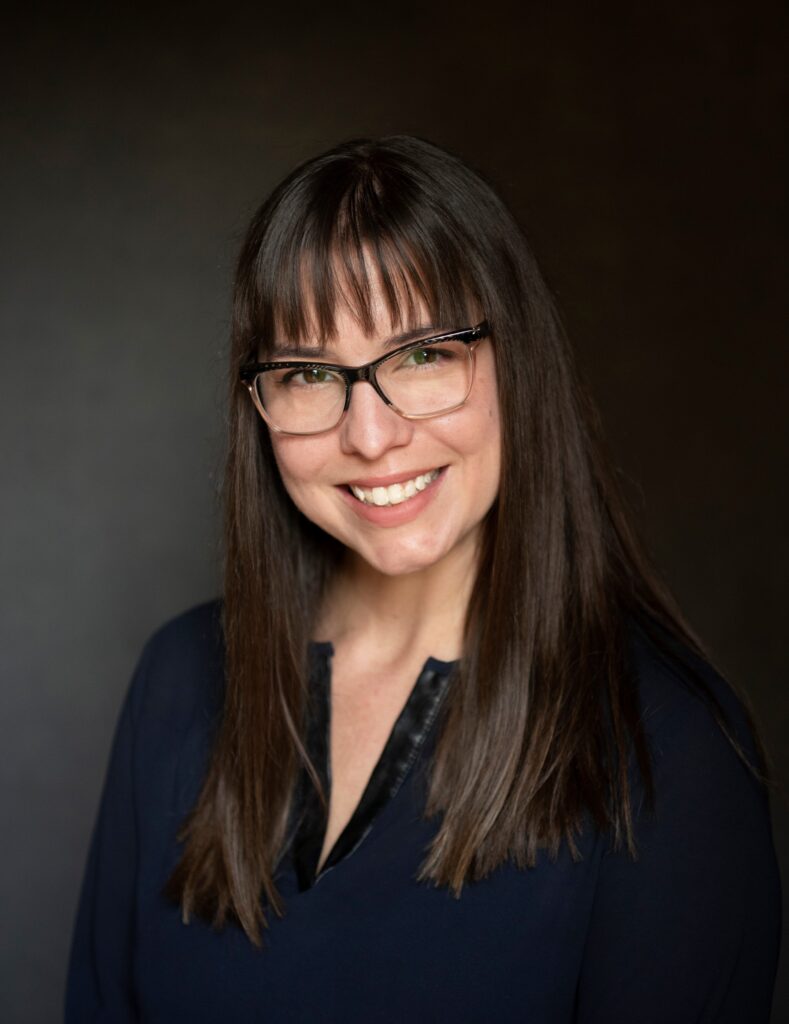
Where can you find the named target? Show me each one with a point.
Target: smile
(394, 494)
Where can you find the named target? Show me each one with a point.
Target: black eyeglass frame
(367, 372)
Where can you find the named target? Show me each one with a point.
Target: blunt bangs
(364, 214)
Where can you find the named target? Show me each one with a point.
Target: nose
(370, 426)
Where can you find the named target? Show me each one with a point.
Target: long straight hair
(541, 719)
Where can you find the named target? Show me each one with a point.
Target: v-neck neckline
(400, 751)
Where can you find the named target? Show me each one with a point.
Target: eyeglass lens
(420, 381)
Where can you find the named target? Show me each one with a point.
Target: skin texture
(374, 441)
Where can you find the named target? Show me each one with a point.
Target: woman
(446, 750)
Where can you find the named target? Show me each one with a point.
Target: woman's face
(373, 447)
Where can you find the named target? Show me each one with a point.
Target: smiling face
(403, 495)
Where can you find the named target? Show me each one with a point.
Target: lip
(394, 515)
(369, 482)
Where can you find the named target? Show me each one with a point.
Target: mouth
(395, 494)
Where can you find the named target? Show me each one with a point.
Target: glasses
(422, 379)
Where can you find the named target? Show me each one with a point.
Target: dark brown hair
(542, 719)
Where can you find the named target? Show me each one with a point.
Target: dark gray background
(641, 146)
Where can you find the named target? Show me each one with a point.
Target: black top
(688, 933)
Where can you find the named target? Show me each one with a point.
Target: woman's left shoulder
(685, 705)
(689, 928)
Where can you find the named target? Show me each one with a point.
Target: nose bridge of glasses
(360, 373)
(365, 375)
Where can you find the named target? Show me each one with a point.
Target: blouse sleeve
(99, 984)
(690, 931)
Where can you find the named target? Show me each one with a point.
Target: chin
(398, 566)
(393, 559)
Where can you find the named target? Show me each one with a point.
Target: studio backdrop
(640, 147)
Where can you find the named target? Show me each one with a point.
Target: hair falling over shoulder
(541, 729)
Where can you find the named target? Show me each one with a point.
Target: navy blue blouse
(687, 933)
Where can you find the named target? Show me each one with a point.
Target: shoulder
(690, 715)
(181, 668)
(689, 927)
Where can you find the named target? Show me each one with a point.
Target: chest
(367, 940)
(370, 943)
(361, 721)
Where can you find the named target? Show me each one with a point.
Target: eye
(423, 356)
(435, 356)
(310, 375)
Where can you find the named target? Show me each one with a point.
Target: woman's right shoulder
(180, 672)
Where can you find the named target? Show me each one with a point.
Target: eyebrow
(313, 351)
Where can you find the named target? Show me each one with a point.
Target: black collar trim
(400, 752)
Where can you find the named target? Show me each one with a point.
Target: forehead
(360, 303)
(351, 345)
(358, 331)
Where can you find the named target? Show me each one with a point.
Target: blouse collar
(402, 747)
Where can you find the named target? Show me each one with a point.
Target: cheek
(488, 461)
(490, 427)
(297, 458)
(480, 438)
(299, 461)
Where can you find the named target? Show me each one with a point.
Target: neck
(411, 615)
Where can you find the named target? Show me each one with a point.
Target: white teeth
(395, 493)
